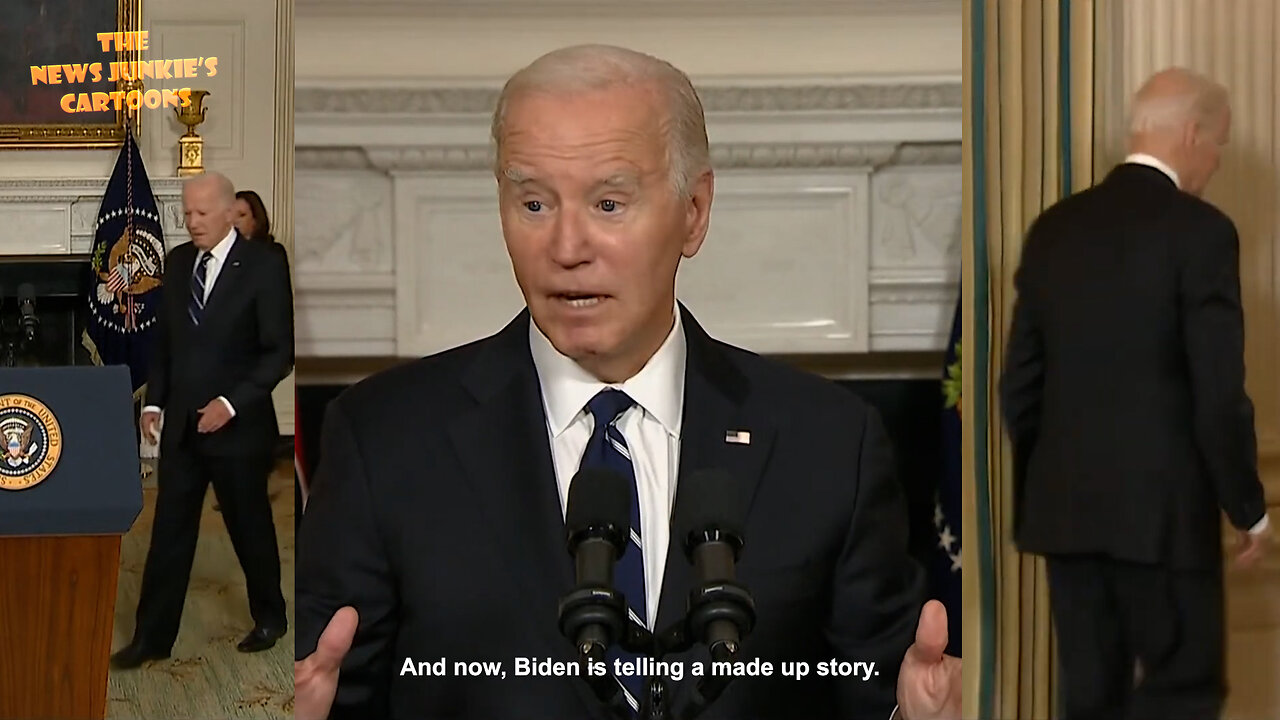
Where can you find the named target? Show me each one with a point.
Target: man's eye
(533, 206)
(608, 205)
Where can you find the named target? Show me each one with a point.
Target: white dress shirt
(651, 428)
(219, 253)
(1157, 163)
(211, 272)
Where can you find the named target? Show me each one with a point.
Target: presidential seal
(32, 442)
(127, 271)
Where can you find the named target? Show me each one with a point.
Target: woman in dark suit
(251, 219)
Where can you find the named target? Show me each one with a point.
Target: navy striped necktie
(607, 449)
(195, 308)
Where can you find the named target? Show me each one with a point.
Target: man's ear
(1192, 133)
(698, 212)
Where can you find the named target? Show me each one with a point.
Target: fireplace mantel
(57, 216)
(835, 233)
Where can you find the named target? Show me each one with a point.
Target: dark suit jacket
(241, 350)
(436, 514)
(1123, 390)
(276, 247)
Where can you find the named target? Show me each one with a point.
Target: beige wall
(1236, 44)
(239, 132)
(815, 39)
(242, 135)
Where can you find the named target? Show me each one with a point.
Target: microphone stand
(598, 612)
(653, 706)
(28, 329)
(715, 608)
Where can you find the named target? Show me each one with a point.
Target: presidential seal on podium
(32, 442)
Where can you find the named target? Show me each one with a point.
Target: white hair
(597, 67)
(1174, 97)
(226, 190)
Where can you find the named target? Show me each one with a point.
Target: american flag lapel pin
(737, 437)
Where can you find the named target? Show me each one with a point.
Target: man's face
(208, 215)
(593, 224)
(1204, 149)
(242, 217)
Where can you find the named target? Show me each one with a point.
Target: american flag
(119, 279)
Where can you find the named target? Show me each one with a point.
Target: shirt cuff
(228, 404)
(151, 408)
(1261, 527)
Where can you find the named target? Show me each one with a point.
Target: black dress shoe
(259, 639)
(134, 655)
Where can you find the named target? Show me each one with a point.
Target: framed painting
(61, 32)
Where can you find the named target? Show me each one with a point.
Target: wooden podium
(70, 487)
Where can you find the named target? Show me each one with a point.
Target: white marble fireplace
(835, 227)
(57, 216)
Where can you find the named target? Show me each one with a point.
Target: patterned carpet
(206, 677)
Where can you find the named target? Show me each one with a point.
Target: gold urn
(191, 145)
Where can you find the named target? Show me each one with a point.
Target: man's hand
(1251, 547)
(150, 426)
(213, 416)
(315, 677)
(929, 684)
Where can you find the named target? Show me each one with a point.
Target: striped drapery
(1033, 134)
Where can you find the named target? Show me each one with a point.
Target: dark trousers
(1138, 642)
(240, 485)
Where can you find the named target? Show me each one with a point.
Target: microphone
(710, 520)
(598, 521)
(29, 323)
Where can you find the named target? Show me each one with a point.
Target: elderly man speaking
(436, 527)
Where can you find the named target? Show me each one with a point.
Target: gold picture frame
(48, 32)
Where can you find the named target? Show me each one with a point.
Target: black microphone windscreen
(598, 497)
(26, 291)
(709, 499)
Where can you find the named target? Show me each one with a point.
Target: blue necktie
(195, 308)
(608, 449)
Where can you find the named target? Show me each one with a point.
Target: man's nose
(570, 239)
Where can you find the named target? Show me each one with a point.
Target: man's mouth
(580, 299)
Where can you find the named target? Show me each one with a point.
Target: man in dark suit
(436, 521)
(1124, 397)
(224, 341)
